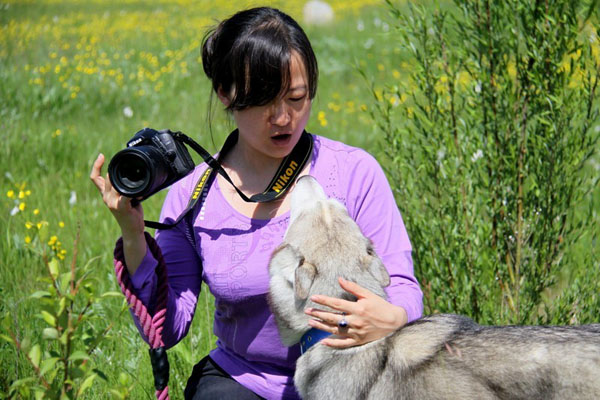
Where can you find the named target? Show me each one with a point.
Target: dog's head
(321, 244)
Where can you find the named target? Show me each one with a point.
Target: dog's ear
(284, 261)
(376, 268)
(304, 277)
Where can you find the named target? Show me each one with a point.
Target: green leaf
(116, 394)
(78, 355)
(87, 383)
(112, 294)
(50, 333)
(101, 374)
(61, 305)
(53, 266)
(7, 338)
(65, 280)
(39, 394)
(49, 318)
(35, 355)
(40, 294)
(48, 364)
(124, 379)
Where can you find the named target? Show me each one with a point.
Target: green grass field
(81, 77)
(78, 78)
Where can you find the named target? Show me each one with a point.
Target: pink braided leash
(152, 325)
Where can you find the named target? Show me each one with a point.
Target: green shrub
(491, 146)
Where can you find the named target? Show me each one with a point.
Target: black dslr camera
(152, 161)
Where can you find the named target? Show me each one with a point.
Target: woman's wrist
(400, 317)
(134, 249)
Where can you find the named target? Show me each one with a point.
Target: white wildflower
(128, 112)
(369, 43)
(73, 198)
(14, 211)
(477, 155)
(441, 153)
(317, 12)
(360, 25)
(478, 87)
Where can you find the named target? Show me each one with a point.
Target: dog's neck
(312, 337)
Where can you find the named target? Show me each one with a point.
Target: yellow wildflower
(27, 239)
(36, 211)
(21, 206)
(28, 225)
(21, 194)
(61, 224)
(10, 194)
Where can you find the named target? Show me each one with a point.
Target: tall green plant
(60, 356)
(489, 144)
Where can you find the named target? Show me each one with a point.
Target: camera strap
(285, 176)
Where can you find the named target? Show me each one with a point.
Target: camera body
(152, 161)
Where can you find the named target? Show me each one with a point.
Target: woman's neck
(250, 169)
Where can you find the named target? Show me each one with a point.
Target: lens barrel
(136, 171)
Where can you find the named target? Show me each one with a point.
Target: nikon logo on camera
(285, 177)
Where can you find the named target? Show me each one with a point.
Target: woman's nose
(280, 114)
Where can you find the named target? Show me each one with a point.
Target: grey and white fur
(436, 357)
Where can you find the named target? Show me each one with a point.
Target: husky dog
(435, 357)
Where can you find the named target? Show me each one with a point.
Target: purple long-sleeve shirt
(231, 255)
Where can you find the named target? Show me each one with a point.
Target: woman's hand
(130, 219)
(369, 318)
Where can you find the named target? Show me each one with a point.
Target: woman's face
(274, 129)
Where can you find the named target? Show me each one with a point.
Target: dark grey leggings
(210, 382)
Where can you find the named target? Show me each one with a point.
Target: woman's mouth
(282, 139)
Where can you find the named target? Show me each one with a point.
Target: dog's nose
(307, 192)
(307, 189)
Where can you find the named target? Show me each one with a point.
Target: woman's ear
(223, 97)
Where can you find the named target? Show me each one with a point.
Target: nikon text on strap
(285, 176)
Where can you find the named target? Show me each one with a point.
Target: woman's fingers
(95, 175)
(326, 316)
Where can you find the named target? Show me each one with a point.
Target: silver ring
(343, 323)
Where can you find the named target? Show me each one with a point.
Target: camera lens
(137, 171)
(133, 172)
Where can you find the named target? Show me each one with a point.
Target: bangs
(264, 73)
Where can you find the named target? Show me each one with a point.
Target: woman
(264, 72)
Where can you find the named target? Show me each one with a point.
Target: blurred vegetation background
(420, 86)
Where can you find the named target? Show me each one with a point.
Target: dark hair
(251, 53)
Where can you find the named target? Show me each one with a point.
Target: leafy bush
(491, 145)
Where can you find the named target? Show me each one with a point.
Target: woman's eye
(297, 98)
